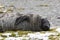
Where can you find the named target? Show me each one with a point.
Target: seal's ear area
(21, 19)
(45, 25)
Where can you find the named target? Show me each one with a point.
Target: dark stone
(58, 17)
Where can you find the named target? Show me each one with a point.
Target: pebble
(1, 38)
(58, 30)
(10, 38)
(6, 34)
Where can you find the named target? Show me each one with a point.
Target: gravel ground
(53, 34)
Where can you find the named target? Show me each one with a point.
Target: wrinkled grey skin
(7, 22)
(25, 22)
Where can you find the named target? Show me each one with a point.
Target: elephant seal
(29, 22)
(32, 23)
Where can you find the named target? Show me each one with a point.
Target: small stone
(58, 30)
(1, 38)
(6, 34)
(45, 38)
(1, 6)
(10, 38)
(20, 38)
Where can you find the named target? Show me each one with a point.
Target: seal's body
(32, 23)
(29, 22)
